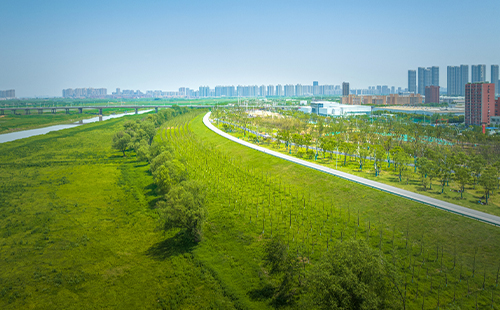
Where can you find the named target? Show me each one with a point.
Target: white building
(329, 108)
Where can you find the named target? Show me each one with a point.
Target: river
(12, 136)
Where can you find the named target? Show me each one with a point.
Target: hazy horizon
(150, 45)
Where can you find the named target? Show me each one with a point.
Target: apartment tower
(479, 103)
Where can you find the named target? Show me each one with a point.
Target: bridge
(27, 111)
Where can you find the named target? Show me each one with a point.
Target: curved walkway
(443, 205)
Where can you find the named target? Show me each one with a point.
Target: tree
(378, 154)
(160, 159)
(169, 174)
(148, 131)
(121, 141)
(496, 165)
(284, 267)
(488, 181)
(142, 151)
(353, 276)
(388, 147)
(462, 175)
(477, 164)
(184, 207)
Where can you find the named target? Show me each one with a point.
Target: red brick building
(431, 94)
(479, 103)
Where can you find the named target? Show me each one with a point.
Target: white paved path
(477, 215)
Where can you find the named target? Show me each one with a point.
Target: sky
(47, 46)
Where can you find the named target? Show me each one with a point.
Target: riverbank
(18, 122)
(78, 229)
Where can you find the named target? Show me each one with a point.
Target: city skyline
(51, 46)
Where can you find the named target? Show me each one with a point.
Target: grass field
(470, 199)
(78, 228)
(435, 231)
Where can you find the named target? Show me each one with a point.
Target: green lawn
(78, 228)
(78, 231)
(427, 228)
(470, 199)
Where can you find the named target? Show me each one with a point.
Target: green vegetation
(78, 229)
(10, 122)
(82, 226)
(261, 196)
(434, 161)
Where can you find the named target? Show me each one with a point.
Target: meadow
(78, 230)
(438, 253)
(361, 158)
(79, 227)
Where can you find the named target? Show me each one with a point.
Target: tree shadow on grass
(173, 246)
(141, 164)
(263, 293)
(116, 156)
(152, 191)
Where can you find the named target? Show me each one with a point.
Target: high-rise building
(435, 76)
(270, 91)
(494, 78)
(479, 103)
(298, 90)
(345, 89)
(451, 80)
(478, 73)
(427, 78)
(457, 77)
(316, 89)
(421, 79)
(279, 90)
(464, 79)
(289, 90)
(412, 81)
(424, 79)
(262, 91)
(11, 93)
(432, 94)
(204, 91)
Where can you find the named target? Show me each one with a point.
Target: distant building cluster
(426, 77)
(8, 94)
(84, 93)
(253, 91)
(392, 99)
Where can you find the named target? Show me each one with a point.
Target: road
(443, 205)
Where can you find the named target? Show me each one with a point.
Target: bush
(352, 276)
(184, 207)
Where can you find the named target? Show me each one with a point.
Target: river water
(7, 137)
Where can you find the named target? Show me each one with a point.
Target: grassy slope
(439, 228)
(77, 230)
(391, 177)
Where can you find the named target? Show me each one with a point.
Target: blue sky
(147, 45)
